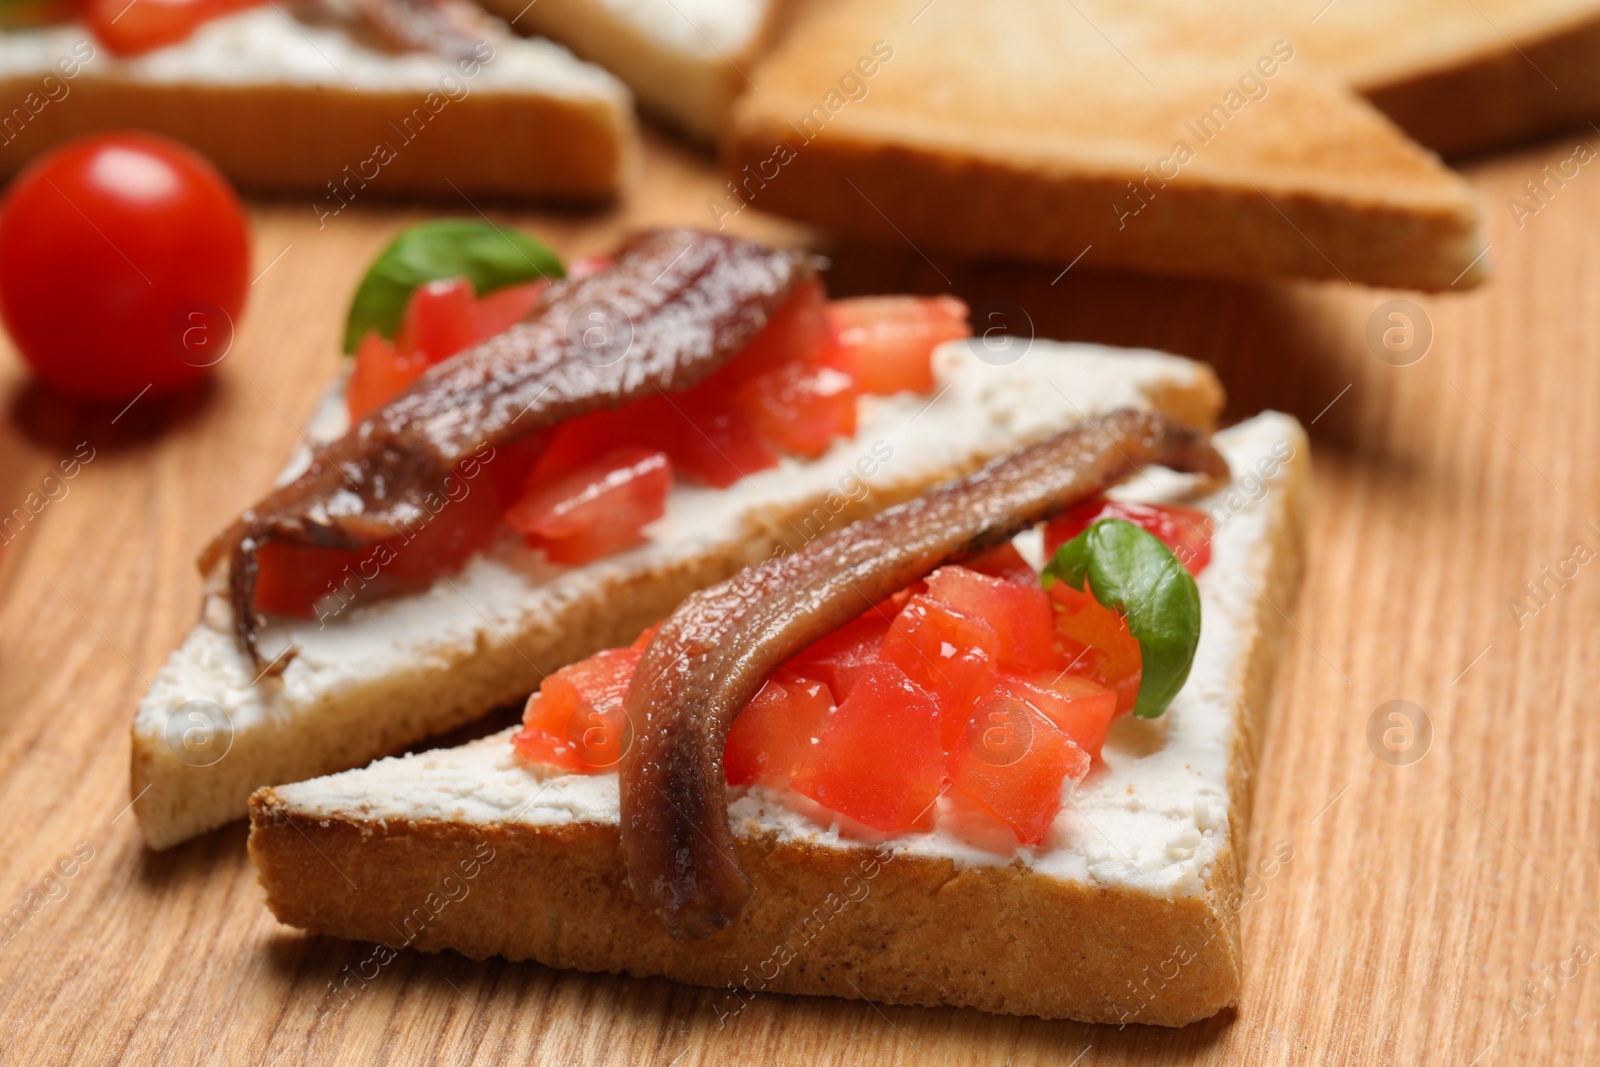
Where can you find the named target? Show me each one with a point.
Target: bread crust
(849, 922)
(311, 139)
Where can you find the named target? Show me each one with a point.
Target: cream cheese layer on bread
(282, 71)
(377, 676)
(1128, 913)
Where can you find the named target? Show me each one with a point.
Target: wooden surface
(1420, 897)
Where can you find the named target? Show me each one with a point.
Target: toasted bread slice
(1167, 136)
(686, 60)
(1459, 77)
(1129, 913)
(307, 103)
(377, 677)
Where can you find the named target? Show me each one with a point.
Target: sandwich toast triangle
(1164, 136)
(381, 676)
(305, 102)
(686, 60)
(1128, 913)
(1459, 77)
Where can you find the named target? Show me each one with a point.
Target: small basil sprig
(1131, 572)
(491, 256)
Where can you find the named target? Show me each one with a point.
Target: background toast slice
(382, 676)
(1130, 915)
(1165, 136)
(303, 104)
(686, 60)
(1459, 77)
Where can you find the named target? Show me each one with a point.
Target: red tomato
(1020, 614)
(130, 29)
(879, 760)
(797, 331)
(839, 658)
(439, 320)
(496, 312)
(775, 730)
(1003, 561)
(381, 373)
(947, 652)
(576, 721)
(1013, 761)
(1096, 643)
(1081, 708)
(801, 406)
(1185, 531)
(708, 436)
(887, 342)
(310, 582)
(597, 509)
(124, 263)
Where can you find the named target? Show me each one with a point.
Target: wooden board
(1420, 897)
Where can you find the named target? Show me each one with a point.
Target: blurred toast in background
(1170, 137)
(1460, 76)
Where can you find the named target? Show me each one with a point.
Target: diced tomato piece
(381, 373)
(839, 658)
(439, 320)
(775, 730)
(710, 437)
(879, 759)
(596, 510)
(497, 312)
(949, 653)
(1005, 562)
(887, 342)
(801, 406)
(576, 721)
(126, 31)
(646, 635)
(1095, 643)
(1186, 531)
(797, 332)
(1080, 707)
(295, 578)
(1020, 614)
(1013, 761)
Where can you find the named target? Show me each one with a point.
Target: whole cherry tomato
(124, 262)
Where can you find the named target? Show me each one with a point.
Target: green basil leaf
(1131, 572)
(492, 256)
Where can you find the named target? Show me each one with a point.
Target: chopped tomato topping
(1012, 761)
(801, 406)
(775, 731)
(1019, 614)
(498, 311)
(439, 320)
(380, 374)
(1186, 531)
(839, 658)
(311, 582)
(600, 508)
(576, 721)
(796, 333)
(1003, 561)
(879, 758)
(886, 342)
(712, 438)
(947, 652)
(128, 29)
(1081, 708)
(1095, 643)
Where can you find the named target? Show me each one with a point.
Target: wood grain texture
(1418, 901)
